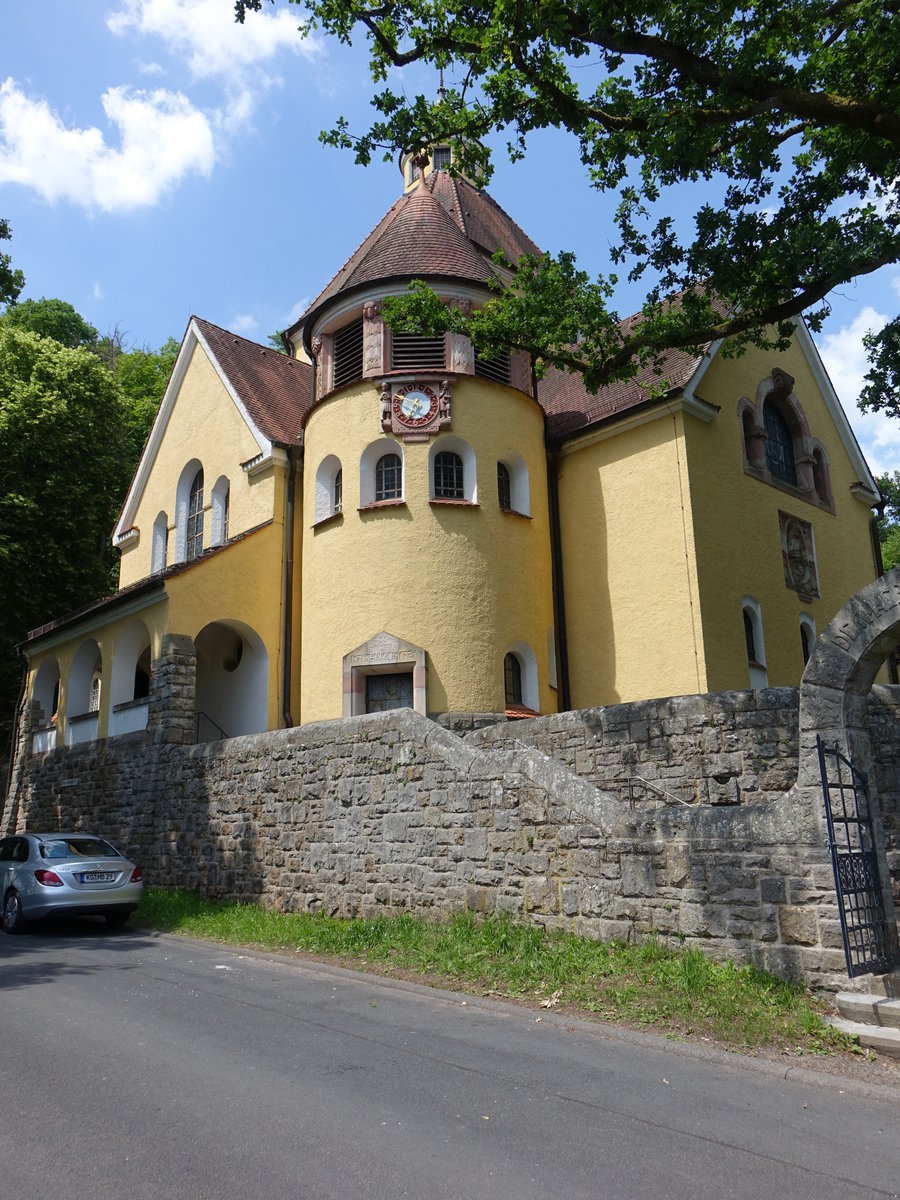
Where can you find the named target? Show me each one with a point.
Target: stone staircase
(873, 1017)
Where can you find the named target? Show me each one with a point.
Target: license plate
(97, 876)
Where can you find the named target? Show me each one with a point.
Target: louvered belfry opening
(412, 352)
(348, 353)
(495, 368)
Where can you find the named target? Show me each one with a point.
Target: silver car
(65, 874)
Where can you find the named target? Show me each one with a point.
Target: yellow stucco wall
(736, 527)
(204, 424)
(461, 582)
(628, 561)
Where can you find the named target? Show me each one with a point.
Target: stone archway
(833, 705)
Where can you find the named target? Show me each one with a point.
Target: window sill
(334, 518)
(382, 504)
(452, 502)
(514, 512)
(812, 498)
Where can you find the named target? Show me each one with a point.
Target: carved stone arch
(842, 667)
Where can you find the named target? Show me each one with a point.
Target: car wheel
(13, 917)
(116, 920)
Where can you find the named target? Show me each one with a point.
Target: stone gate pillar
(173, 692)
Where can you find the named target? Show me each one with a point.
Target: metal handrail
(667, 796)
(218, 728)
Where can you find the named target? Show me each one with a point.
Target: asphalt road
(142, 1066)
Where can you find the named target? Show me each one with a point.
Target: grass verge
(651, 985)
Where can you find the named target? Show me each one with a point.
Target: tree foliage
(75, 411)
(62, 474)
(55, 319)
(779, 119)
(889, 526)
(11, 279)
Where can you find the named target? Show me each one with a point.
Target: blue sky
(158, 161)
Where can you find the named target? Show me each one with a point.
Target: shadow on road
(27, 958)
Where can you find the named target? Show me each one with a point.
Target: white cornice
(192, 338)
(95, 620)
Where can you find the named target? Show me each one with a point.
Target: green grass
(650, 985)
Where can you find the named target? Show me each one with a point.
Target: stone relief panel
(798, 554)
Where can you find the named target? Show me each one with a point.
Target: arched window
(504, 492)
(160, 544)
(329, 488)
(753, 636)
(389, 478)
(220, 505)
(94, 699)
(448, 476)
(195, 518)
(512, 679)
(779, 445)
(821, 481)
(807, 636)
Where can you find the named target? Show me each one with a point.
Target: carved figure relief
(798, 556)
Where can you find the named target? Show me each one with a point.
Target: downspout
(877, 518)
(295, 455)
(564, 702)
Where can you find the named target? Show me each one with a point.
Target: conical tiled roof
(444, 229)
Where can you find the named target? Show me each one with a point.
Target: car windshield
(80, 847)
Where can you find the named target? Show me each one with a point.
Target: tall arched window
(195, 518)
(779, 445)
(504, 489)
(339, 491)
(448, 476)
(389, 478)
(512, 679)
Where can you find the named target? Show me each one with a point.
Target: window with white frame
(329, 488)
(807, 636)
(513, 490)
(753, 637)
(452, 470)
(220, 505)
(160, 544)
(381, 473)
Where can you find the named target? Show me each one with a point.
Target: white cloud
(162, 138)
(244, 323)
(296, 312)
(206, 35)
(845, 360)
(97, 292)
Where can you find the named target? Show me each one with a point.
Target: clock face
(415, 405)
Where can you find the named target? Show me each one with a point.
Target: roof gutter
(560, 634)
(294, 460)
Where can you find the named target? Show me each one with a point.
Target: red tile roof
(570, 407)
(444, 228)
(275, 390)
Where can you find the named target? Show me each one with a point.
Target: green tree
(55, 319)
(142, 375)
(11, 279)
(63, 471)
(779, 123)
(889, 526)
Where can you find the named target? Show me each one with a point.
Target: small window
(339, 491)
(94, 701)
(820, 477)
(195, 518)
(414, 171)
(389, 478)
(441, 158)
(348, 353)
(779, 445)
(504, 488)
(512, 679)
(750, 637)
(448, 476)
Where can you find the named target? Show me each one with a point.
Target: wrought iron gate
(867, 947)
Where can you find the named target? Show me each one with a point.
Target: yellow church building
(381, 520)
